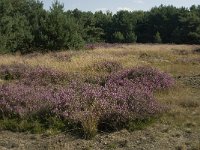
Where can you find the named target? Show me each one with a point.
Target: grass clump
(190, 103)
(139, 124)
(107, 66)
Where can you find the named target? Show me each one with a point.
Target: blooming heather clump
(29, 75)
(147, 77)
(124, 96)
(22, 101)
(99, 104)
(13, 71)
(129, 102)
(107, 66)
(79, 100)
(44, 76)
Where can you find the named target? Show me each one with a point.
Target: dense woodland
(26, 26)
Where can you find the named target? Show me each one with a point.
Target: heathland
(109, 96)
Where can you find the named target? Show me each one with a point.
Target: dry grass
(128, 55)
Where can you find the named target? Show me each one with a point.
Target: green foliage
(34, 125)
(157, 38)
(118, 37)
(17, 125)
(60, 30)
(14, 27)
(139, 124)
(131, 37)
(75, 41)
(25, 26)
(124, 24)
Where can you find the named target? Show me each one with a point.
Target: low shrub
(13, 71)
(51, 125)
(107, 66)
(147, 77)
(106, 106)
(99, 79)
(129, 102)
(29, 75)
(139, 124)
(19, 100)
(125, 96)
(44, 76)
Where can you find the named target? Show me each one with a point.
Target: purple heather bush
(44, 76)
(107, 66)
(22, 101)
(13, 71)
(97, 104)
(129, 102)
(29, 75)
(81, 99)
(146, 77)
(126, 95)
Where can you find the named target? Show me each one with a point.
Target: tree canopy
(26, 26)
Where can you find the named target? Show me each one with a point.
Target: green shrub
(157, 38)
(118, 37)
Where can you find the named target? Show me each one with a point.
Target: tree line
(26, 26)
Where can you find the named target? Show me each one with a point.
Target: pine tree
(118, 37)
(157, 38)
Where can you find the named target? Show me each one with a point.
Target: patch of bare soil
(156, 137)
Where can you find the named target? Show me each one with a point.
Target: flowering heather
(82, 98)
(107, 66)
(44, 76)
(21, 100)
(126, 95)
(35, 75)
(13, 71)
(147, 77)
(102, 103)
(77, 101)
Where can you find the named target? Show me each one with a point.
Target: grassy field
(179, 128)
